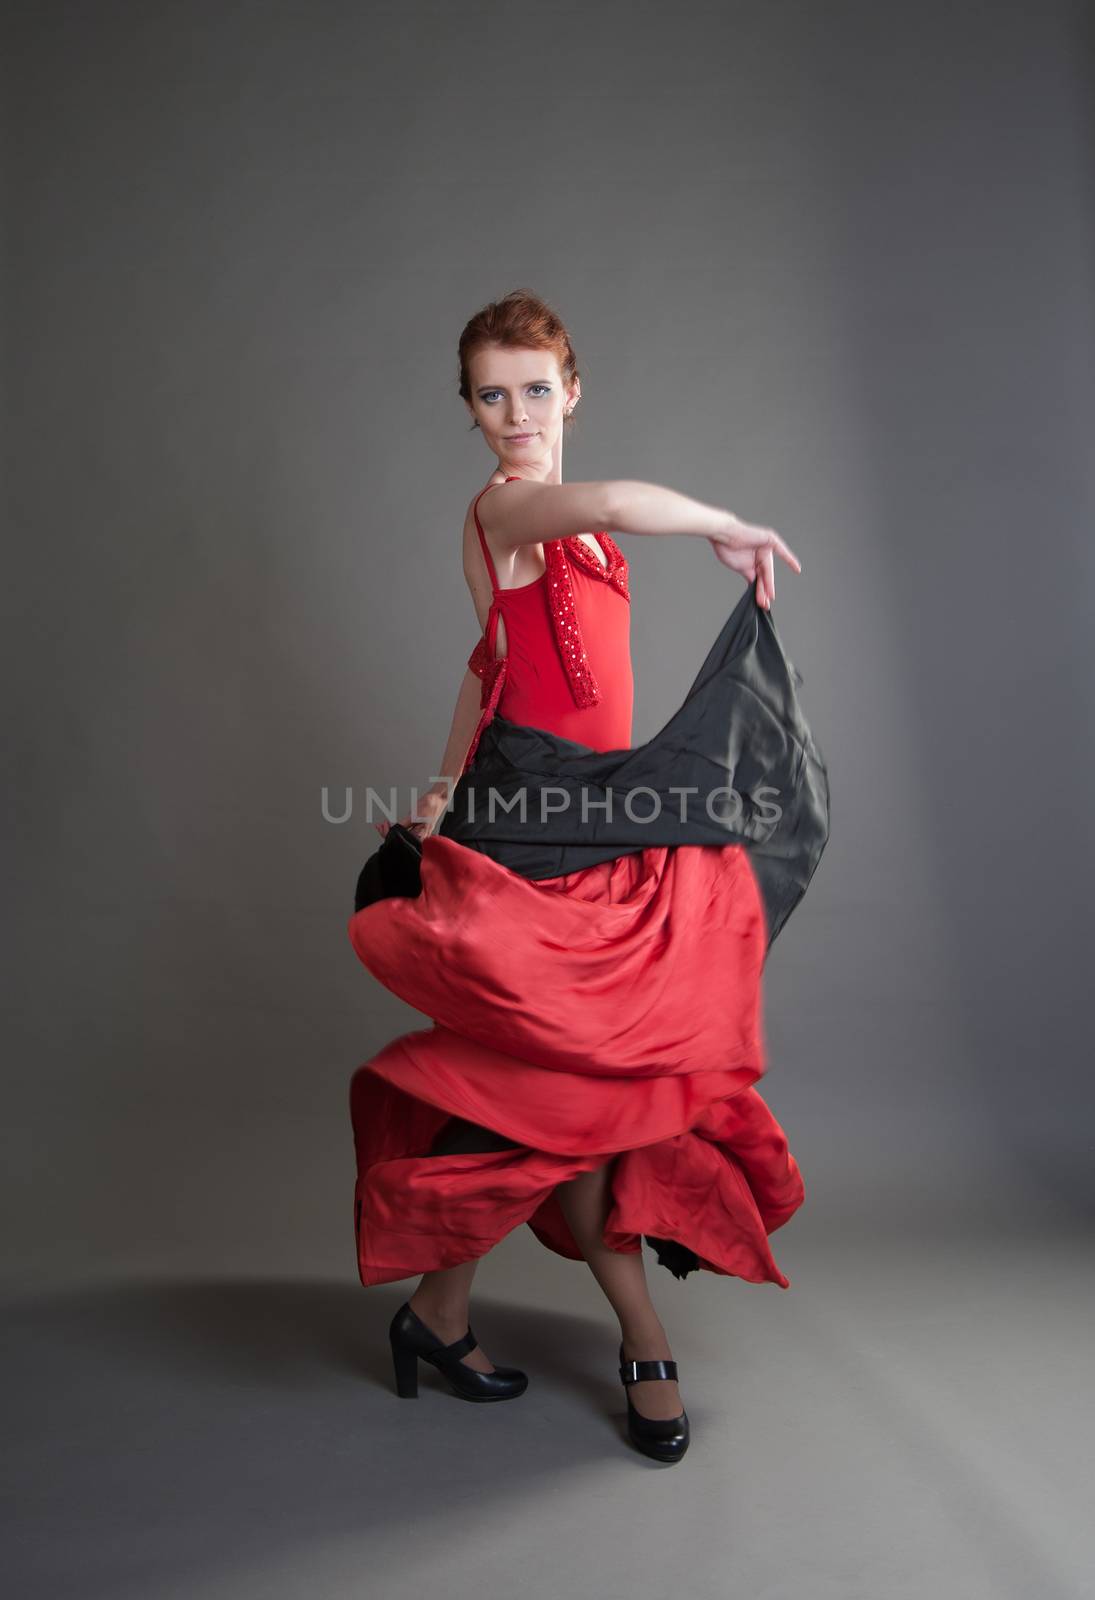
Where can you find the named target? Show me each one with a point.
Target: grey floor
(911, 1418)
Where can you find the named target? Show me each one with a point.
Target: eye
(487, 396)
(544, 387)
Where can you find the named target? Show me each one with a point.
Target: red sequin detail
(564, 616)
(481, 664)
(489, 696)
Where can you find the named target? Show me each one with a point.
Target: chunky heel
(406, 1372)
(412, 1341)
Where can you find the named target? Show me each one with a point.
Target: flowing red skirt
(610, 1012)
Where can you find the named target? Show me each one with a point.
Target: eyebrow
(487, 387)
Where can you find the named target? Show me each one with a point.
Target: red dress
(612, 1012)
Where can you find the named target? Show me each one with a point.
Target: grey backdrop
(830, 265)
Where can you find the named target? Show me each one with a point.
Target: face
(518, 398)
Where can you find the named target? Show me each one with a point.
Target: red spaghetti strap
(483, 537)
(483, 540)
(513, 478)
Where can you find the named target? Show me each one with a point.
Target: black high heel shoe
(663, 1438)
(412, 1342)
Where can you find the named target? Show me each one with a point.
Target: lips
(518, 438)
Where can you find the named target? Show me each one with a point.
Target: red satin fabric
(613, 1011)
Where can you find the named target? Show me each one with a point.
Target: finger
(784, 551)
(770, 576)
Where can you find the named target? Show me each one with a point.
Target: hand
(751, 551)
(431, 807)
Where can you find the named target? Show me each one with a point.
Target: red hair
(520, 321)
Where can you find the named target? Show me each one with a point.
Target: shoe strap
(639, 1371)
(459, 1347)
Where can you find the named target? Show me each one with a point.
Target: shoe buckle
(642, 1371)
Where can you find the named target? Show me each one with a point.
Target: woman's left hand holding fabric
(428, 812)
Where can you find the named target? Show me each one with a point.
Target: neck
(545, 469)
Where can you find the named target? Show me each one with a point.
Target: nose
(517, 413)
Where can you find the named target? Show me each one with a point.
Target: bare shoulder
(495, 477)
(528, 512)
(471, 536)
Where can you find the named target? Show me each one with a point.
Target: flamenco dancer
(594, 985)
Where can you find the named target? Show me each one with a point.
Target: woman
(554, 1088)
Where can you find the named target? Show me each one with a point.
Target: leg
(441, 1300)
(585, 1203)
(442, 1297)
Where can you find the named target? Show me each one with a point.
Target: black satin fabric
(395, 868)
(740, 726)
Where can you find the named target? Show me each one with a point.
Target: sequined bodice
(567, 666)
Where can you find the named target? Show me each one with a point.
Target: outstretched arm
(527, 512)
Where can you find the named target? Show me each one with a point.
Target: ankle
(645, 1341)
(440, 1314)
